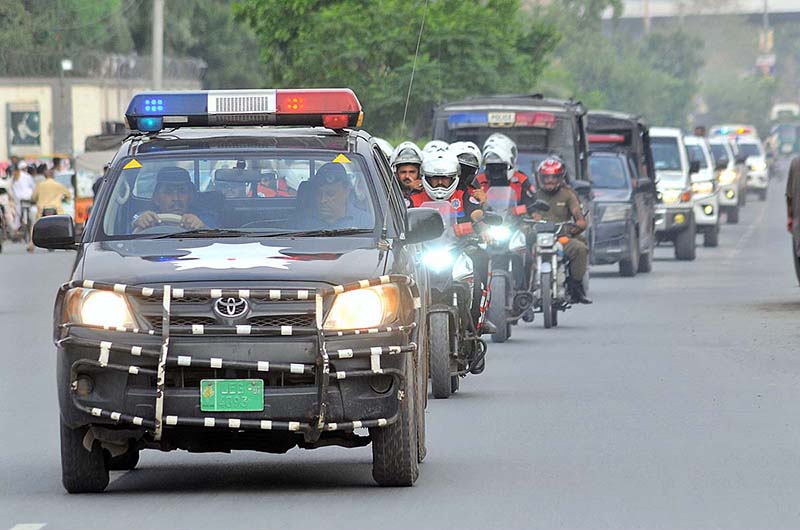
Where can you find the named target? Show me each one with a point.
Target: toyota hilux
(242, 285)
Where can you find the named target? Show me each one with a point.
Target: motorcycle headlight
(98, 308)
(728, 176)
(499, 233)
(705, 187)
(545, 240)
(517, 241)
(437, 259)
(615, 212)
(758, 166)
(462, 268)
(364, 308)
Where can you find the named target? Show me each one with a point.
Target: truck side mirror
(424, 224)
(54, 232)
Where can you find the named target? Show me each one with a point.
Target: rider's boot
(488, 328)
(577, 293)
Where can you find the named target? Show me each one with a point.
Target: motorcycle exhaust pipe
(522, 301)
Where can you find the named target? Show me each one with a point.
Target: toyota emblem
(231, 307)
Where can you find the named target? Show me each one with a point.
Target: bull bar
(321, 368)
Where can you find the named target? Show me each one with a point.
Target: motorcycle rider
(500, 170)
(469, 160)
(440, 182)
(435, 146)
(565, 206)
(406, 161)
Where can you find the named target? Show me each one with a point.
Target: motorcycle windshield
(447, 212)
(501, 199)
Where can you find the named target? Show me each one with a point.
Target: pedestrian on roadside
(49, 195)
(22, 187)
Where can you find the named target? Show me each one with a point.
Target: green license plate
(232, 395)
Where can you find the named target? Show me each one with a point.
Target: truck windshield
(720, 153)
(237, 194)
(608, 172)
(666, 155)
(696, 154)
(750, 149)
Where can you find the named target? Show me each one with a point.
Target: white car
(756, 161)
(705, 190)
(731, 178)
(675, 211)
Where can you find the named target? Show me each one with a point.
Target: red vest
(516, 183)
(281, 191)
(456, 201)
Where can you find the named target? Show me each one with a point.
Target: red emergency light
(545, 120)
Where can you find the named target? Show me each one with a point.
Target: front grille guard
(321, 369)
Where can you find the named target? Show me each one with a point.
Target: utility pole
(158, 43)
(646, 15)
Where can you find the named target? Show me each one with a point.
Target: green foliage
(466, 48)
(747, 99)
(655, 77)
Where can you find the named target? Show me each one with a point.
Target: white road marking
(28, 526)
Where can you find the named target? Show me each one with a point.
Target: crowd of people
(29, 190)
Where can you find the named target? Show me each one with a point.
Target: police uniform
(793, 203)
(562, 203)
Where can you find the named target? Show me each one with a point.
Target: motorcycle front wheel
(439, 342)
(497, 308)
(548, 307)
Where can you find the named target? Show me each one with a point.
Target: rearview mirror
(54, 232)
(541, 206)
(492, 219)
(645, 185)
(424, 224)
(694, 167)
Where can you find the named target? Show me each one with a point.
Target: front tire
(547, 300)
(82, 471)
(394, 447)
(685, 244)
(497, 308)
(439, 340)
(630, 266)
(711, 238)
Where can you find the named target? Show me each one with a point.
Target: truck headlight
(705, 187)
(364, 308)
(728, 176)
(499, 233)
(758, 166)
(437, 259)
(98, 308)
(615, 212)
(670, 196)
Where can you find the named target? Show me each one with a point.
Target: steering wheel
(170, 223)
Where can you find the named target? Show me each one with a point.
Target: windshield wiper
(205, 232)
(320, 233)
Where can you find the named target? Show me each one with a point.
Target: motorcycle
(552, 272)
(512, 262)
(455, 346)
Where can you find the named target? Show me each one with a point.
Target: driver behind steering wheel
(172, 195)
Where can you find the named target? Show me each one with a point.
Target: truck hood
(670, 180)
(330, 260)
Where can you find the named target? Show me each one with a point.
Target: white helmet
(385, 146)
(502, 139)
(434, 146)
(405, 153)
(467, 153)
(444, 164)
(498, 154)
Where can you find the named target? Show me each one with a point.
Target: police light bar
(335, 108)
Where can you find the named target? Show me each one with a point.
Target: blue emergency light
(327, 107)
(468, 119)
